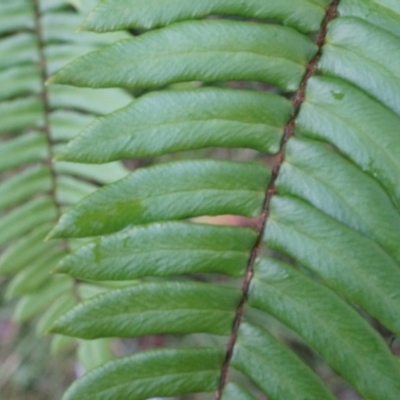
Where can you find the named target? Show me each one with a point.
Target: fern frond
(323, 260)
(36, 121)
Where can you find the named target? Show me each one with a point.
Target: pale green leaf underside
(29, 191)
(93, 353)
(35, 275)
(15, 15)
(23, 219)
(201, 50)
(20, 114)
(33, 304)
(21, 187)
(25, 250)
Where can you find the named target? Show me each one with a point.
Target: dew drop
(337, 94)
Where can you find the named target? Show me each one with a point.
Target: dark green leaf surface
(153, 308)
(109, 15)
(329, 113)
(171, 121)
(355, 350)
(176, 190)
(307, 173)
(366, 56)
(154, 250)
(201, 50)
(367, 275)
(154, 373)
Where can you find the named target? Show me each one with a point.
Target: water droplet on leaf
(337, 94)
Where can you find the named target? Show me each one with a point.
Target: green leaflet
(171, 121)
(329, 112)
(35, 275)
(21, 187)
(70, 190)
(233, 391)
(352, 42)
(29, 112)
(202, 50)
(19, 254)
(102, 174)
(23, 219)
(19, 81)
(23, 150)
(110, 15)
(383, 13)
(32, 193)
(344, 339)
(98, 102)
(67, 123)
(153, 308)
(320, 242)
(165, 373)
(60, 343)
(176, 190)
(307, 173)
(274, 368)
(93, 353)
(154, 250)
(59, 307)
(33, 304)
(18, 49)
(15, 15)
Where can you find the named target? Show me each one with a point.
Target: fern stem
(46, 105)
(47, 126)
(297, 101)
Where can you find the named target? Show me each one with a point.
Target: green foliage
(36, 39)
(324, 259)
